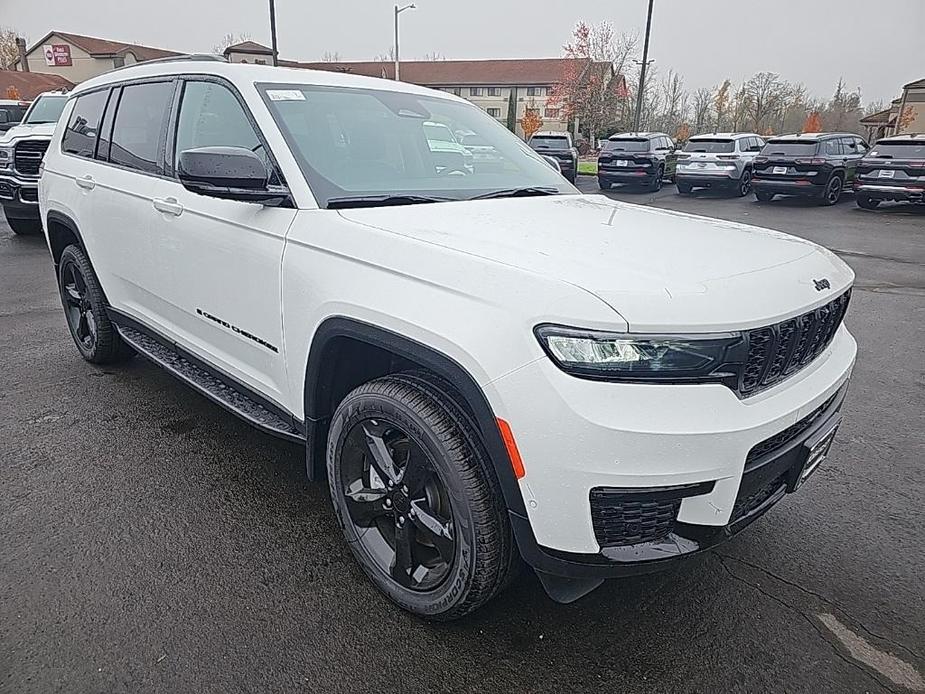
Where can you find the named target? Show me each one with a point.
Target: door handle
(86, 182)
(168, 206)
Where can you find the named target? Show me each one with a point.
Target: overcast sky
(877, 46)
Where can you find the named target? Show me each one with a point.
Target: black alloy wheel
(656, 185)
(832, 191)
(399, 507)
(80, 317)
(745, 183)
(867, 202)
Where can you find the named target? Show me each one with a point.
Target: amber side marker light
(517, 462)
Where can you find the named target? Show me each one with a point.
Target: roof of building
(103, 48)
(531, 71)
(248, 47)
(884, 117)
(30, 84)
(918, 84)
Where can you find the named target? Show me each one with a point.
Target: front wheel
(23, 227)
(414, 494)
(867, 202)
(96, 337)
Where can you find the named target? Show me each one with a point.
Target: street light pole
(642, 72)
(273, 32)
(398, 11)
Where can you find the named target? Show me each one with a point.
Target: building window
(457, 91)
(259, 61)
(551, 113)
(532, 111)
(549, 90)
(494, 91)
(118, 61)
(534, 91)
(494, 112)
(475, 91)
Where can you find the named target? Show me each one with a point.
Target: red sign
(57, 54)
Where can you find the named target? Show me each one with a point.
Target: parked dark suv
(893, 169)
(639, 159)
(558, 146)
(817, 165)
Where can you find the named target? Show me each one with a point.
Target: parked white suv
(484, 365)
(718, 160)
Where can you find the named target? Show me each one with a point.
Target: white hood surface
(660, 270)
(18, 132)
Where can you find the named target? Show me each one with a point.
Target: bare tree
(387, 57)
(765, 96)
(701, 105)
(721, 104)
(329, 57)
(9, 51)
(230, 39)
(435, 56)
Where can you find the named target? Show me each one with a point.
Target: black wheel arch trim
(65, 221)
(318, 384)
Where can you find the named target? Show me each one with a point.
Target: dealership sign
(57, 54)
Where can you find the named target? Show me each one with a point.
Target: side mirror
(553, 162)
(230, 173)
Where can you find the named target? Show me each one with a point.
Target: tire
(762, 196)
(744, 186)
(84, 304)
(656, 185)
(452, 487)
(23, 227)
(832, 192)
(685, 188)
(867, 202)
(604, 185)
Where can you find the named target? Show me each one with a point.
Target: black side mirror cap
(231, 173)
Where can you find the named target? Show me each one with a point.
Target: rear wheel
(656, 185)
(85, 309)
(685, 188)
(867, 202)
(415, 495)
(745, 183)
(604, 185)
(762, 196)
(832, 191)
(23, 227)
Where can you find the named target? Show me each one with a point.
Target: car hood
(20, 131)
(660, 270)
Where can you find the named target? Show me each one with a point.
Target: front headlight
(712, 357)
(6, 157)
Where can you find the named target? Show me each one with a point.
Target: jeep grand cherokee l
(636, 159)
(815, 165)
(718, 161)
(894, 169)
(483, 366)
(557, 145)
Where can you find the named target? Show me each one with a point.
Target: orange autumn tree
(905, 119)
(13, 93)
(683, 133)
(813, 123)
(531, 122)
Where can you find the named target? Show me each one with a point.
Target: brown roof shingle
(533, 71)
(248, 47)
(100, 48)
(31, 84)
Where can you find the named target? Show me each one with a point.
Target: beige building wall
(914, 100)
(496, 104)
(235, 57)
(83, 68)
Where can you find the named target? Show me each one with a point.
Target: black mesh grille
(784, 437)
(619, 519)
(780, 350)
(748, 503)
(27, 156)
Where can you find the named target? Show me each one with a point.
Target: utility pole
(398, 11)
(642, 71)
(273, 32)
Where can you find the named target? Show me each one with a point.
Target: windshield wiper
(517, 193)
(382, 201)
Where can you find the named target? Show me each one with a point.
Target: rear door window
(833, 147)
(83, 126)
(138, 130)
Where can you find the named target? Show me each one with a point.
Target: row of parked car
(816, 165)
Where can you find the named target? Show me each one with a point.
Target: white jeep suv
(483, 365)
(718, 161)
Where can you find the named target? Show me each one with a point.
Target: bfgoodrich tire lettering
(418, 407)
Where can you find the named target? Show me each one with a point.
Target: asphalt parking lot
(151, 542)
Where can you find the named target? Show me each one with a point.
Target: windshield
(899, 150)
(352, 143)
(710, 146)
(14, 113)
(788, 148)
(626, 145)
(46, 109)
(548, 142)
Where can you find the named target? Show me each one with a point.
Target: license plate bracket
(780, 170)
(886, 173)
(621, 162)
(815, 450)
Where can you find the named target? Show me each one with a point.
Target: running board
(218, 390)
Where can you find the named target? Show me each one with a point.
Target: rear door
(218, 261)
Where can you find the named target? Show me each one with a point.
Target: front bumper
(19, 196)
(576, 436)
(915, 194)
(801, 188)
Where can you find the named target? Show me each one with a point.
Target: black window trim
(96, 141)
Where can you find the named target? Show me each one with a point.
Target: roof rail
(205, 57)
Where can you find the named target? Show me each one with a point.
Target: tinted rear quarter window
(83, 126)
(139, 125)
